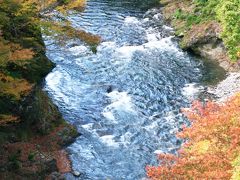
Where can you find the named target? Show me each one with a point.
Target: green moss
(31, 156)
(14, 162)
(14, 133)
(39, 112)
(39, 116)
(236, 170)
(94, 48)
(228, 13)
(35, 71)
(36, 112)
(190, 19)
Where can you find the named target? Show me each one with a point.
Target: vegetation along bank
(210, 28)
(32, 131)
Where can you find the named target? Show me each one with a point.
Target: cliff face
(22, 69)
(23, 63)
(32, 131)
(198, 32)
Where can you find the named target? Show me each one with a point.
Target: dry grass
(78, 5)
(200, 33)
(19, 53)
(65, 30)
(173, 5)
(8, 119)
(14, 87)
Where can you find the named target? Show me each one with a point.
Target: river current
(125, 99)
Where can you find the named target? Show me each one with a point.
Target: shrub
(227, 13)
(31, 156)
(212, 147)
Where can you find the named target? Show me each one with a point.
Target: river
(125, 99)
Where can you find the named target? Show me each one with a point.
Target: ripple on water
(126, 98)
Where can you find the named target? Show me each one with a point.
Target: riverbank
(212, 147)
(204, 38)
(32, 130)
(202, 33)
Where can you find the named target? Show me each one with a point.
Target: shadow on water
(212, 72)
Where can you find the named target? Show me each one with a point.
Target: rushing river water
(126, 98)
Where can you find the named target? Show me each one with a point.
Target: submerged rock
(109, 89)
(76, 173)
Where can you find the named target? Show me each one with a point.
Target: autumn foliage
(212, 148)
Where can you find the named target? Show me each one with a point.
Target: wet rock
(38, 109)
(56, 176)
(68, 135)
(201, 34)
(2, 169)
(109, 89)
(216, 51)
(104, 132)
(151, 13)
(72, 45)
(76, 173)
(51, 165)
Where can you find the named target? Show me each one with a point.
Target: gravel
(227, 87)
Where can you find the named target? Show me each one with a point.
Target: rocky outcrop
(203, 39)
(31, 148)
(32, 130)
(216, 51)
(205, 33)
(39, 112)
(37, 157)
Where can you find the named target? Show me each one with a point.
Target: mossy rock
(39, 112)
(68, 135)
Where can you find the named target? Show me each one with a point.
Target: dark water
(126, 99)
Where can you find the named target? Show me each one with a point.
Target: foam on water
(192, 90)
(79, 50)
(131, 20)
(126, 52)
(109, 140)
(120, 101)
(125, 100)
